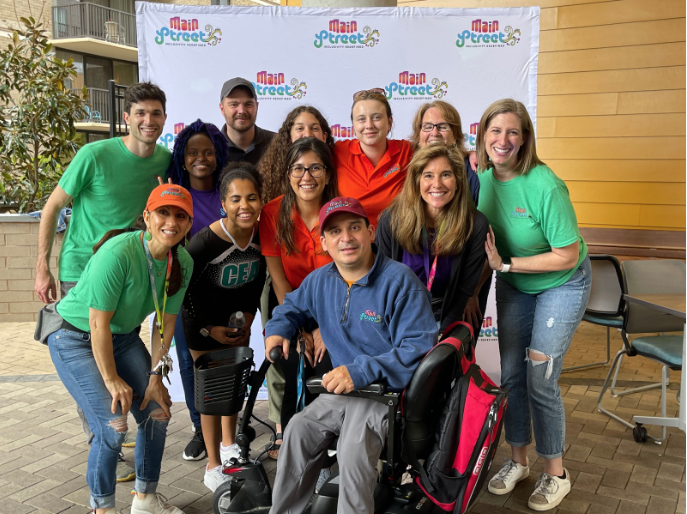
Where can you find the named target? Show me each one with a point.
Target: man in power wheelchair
(375, 317)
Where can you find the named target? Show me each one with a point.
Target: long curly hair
(177, 170)
(331, 190)
(272, 165)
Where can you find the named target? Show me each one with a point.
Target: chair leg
(595, 364)
(616, 394)
(665, 375)
(616, 362)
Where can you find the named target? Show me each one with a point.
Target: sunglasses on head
(377, 90)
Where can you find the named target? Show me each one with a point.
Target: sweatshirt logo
(369, 315)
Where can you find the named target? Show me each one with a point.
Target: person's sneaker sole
(200, 457)
(500, 492)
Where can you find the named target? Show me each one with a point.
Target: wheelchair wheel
(221, 499)
(639, 433)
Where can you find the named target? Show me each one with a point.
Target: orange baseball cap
(170, 194)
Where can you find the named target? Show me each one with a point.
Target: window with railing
(89, 19)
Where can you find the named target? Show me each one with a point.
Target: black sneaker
(195, 450)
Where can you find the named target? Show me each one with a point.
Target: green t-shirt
(530, 214)
(116, 279)
(110, 187)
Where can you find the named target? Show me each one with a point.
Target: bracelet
(157, 371)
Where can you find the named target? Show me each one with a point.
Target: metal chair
(606, 302)
(649, 277)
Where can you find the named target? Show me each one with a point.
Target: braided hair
(177, 169)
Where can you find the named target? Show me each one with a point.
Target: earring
(147, 236)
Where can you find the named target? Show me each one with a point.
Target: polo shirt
(256, 149)
(308, 254)
(373, 186)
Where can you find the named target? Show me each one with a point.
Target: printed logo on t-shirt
(519, 212)
(237, 274)
(392, 170)
(369, 315)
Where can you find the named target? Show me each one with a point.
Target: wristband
(157, 371)
(506, 263)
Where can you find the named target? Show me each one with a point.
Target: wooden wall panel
(627, 193)
(612, 81)
(605, 214)
(618, 58)
(577, 105)
(669, 147)
(665, 124)
(618, 170)
(624, 11)
(607, 36)
(651, 101)
(669, 216)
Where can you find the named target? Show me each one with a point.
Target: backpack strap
(410, 453)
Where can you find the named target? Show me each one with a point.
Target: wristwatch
(205, 332)
(506, 264)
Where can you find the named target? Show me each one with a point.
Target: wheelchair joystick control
(276, 353)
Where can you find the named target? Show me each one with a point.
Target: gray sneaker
(125, 473)
(510, 474)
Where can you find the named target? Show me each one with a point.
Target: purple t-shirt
(207, 208)
(416, 262)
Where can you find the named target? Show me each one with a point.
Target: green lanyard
(165, 363)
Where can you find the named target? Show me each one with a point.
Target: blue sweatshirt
(380, 328)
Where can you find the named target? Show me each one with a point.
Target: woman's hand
(472, 313)
(224, 335)
(121, 393)
(309, 347)
(495, 261)
(473, 160)
(157, 392)
(320, 348)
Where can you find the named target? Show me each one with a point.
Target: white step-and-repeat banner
(321, 57)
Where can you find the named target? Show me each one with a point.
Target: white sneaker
(549, 492)
(225, 455)
(214, 478)
(510, 474)
(154, 503)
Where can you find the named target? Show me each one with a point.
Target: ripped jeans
(545, 323)
(72, 355)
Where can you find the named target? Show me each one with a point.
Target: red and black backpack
(467, 431)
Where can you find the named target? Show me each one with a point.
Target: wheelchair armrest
(373, 390)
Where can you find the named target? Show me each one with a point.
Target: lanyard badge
(165, 363)
(429, 272)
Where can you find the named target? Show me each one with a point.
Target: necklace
(221, 224)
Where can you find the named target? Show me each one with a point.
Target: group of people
(358, 253)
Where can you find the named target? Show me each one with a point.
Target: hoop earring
(147, 235)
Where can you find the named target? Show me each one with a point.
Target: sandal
(273, 453)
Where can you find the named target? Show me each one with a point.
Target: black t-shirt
(226, 278)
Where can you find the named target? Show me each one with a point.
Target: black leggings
(290, 369)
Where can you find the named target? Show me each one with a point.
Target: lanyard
(151, 274)
(430, 273)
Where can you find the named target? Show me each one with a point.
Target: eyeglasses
(441, 127)
(315, 170)
(377, 90)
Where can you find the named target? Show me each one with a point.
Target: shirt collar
(257, 139)
(377, 265)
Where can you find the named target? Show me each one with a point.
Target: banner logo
(471, 138)
(272, 86)
(186, 33)
(342, 132)
(485, 33)
(344, 34)
(168, 139)
(488, 330)
(414, 86)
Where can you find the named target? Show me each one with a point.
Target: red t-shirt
(308, 254)
(374, 187)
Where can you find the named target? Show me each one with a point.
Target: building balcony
(89, 28)
(98, 112)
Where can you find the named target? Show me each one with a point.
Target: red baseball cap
(170, 194)
(340, 204)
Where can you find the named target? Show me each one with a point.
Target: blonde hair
(527, 155)
(450, 114)
(407, 211)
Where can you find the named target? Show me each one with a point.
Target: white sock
(225, 448)
(208, 469)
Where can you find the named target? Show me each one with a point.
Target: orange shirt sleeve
(268, 228)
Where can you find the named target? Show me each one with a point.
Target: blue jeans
(72, 355)
(186, 371)
(544, 323)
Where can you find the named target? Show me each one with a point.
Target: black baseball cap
(232, 84)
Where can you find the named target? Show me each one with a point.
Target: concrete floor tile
(643, 474)
(628, 507)
(587, 482)
(671, 472)
(661, 506)
(615, 478)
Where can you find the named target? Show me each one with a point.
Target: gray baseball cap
(232, 84)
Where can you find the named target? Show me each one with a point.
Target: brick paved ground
(43, 453)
